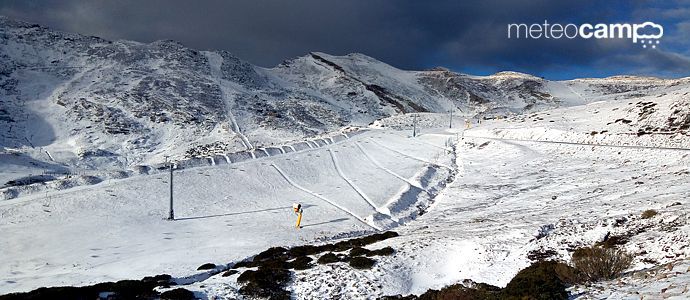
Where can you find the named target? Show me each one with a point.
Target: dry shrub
(386, 251)
(541, 280)
(597, 263)
(178, 294)
(361, 262)
(649, 213)
(265, 282)
(328, 258)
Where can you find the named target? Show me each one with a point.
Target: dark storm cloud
(465, 36)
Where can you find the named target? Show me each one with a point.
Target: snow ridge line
(352, 184)
(412, 157)
(378, 164)
(282, 173)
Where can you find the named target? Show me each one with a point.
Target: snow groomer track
(372, 181)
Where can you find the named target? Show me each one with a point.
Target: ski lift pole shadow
(327, 222)
(239, 213)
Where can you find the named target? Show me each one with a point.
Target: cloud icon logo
(644, 26)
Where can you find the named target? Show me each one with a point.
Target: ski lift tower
(450, 125)
(171, 215)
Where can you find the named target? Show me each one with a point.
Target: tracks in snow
(576, 93)
(216, 61)
(411, 156)
(420, 142)
(352, 184)
(383, 210)
(338, 206)
(380, 166)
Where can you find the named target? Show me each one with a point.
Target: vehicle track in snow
(338, 206)
(352, 184)
(427, 143)
(380, 166)
(411, 156)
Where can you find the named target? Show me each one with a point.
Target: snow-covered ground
(512, 199)
(225, 213)
(661, 119)
(564, 164)
(508, 198)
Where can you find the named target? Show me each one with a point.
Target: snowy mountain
(77, 103)
(554, 165)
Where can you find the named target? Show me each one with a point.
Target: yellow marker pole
(299, 220)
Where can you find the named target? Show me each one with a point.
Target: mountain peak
(143, 101)
(514, 74)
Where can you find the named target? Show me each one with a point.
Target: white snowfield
(565, 164)
(117, 229)
(509, 199)
(515, 198)
(660, 119)
(529, 184)
(486, 223)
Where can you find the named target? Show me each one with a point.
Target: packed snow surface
(512, 199)
(117, 229)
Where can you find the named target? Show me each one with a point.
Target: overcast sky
(464, 36)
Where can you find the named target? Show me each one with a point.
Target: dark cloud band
(465, 36)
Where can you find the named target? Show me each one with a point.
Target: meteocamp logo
(647, 33)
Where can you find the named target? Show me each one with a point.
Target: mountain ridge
(86, 102)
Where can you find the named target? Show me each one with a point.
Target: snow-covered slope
(78, 103)
(117, 229)
(514, 202)
(554, 169)
(660, 119)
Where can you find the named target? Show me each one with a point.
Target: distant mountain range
(84, 101)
